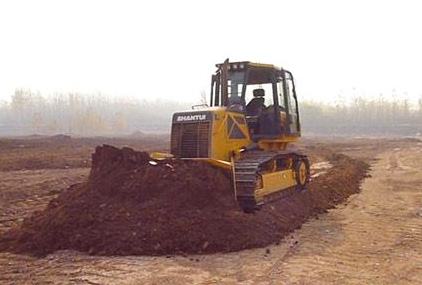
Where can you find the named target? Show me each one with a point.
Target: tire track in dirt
(23, 192)
(375, 239)
(128, 207)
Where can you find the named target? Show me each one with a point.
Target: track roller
(302, 172)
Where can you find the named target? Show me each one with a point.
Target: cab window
(280, 90)
(268, 91)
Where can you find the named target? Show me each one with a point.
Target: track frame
(261, 177)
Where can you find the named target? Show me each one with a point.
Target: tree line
(84, 114)
(98, 114)
(364, 116)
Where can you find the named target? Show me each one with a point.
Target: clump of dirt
(129, 207)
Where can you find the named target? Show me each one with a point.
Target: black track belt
(247, 167)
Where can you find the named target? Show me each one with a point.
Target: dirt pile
(129, 207)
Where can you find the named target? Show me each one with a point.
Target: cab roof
(247, 64)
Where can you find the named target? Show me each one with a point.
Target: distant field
(41, 152)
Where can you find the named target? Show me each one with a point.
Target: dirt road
(376, 238)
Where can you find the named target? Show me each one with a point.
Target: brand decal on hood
(184, 118)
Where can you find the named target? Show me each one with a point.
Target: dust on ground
(374, 238)
(129, 207)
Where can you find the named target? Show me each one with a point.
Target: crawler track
(254, 163)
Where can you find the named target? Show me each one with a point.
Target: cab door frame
(290, 100)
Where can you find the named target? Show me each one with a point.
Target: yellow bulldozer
(251, 117)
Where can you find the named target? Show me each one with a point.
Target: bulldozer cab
(264, 93)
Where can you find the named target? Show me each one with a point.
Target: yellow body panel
(223, 145)
(263, 65)
(273, 182)
(216, 162)
(276, 144)
(161, 155)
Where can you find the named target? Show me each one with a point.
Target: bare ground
(375, 238)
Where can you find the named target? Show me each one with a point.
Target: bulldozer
(251, 118)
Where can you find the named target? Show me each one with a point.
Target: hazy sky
(167, 49)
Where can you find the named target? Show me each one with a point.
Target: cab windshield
(241, 86)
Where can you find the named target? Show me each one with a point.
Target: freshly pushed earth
(130, 206)
(373, 237)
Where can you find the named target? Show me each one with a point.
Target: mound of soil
(129, 207)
